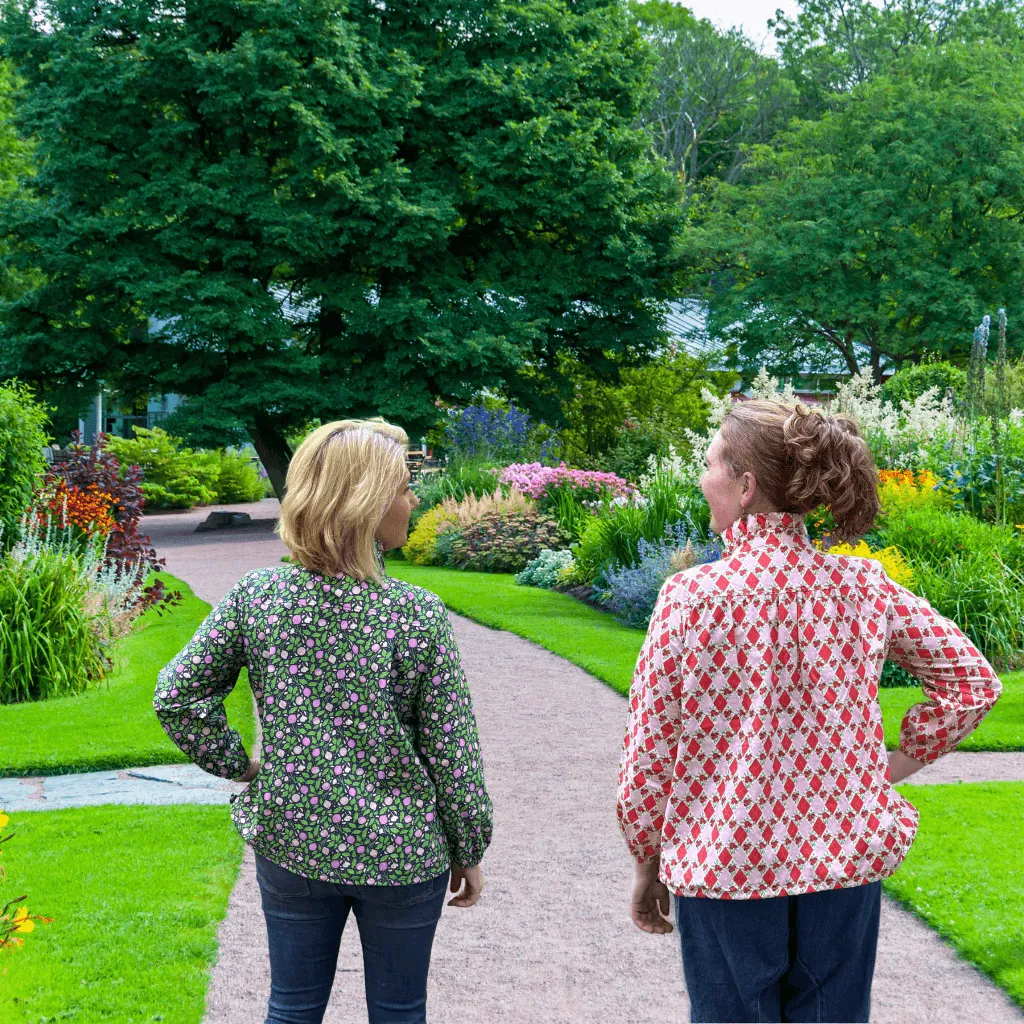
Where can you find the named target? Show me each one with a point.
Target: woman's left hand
(650, 904)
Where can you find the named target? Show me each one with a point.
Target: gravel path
(551, 941)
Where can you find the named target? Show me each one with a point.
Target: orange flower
(89, 508)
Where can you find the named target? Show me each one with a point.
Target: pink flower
(535, 480)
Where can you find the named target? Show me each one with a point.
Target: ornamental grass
(49, 642)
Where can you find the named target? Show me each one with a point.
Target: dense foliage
(23, 424)
(320, 207)
(175, 476)
(872, 234)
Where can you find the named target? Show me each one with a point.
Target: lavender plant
(630, 592)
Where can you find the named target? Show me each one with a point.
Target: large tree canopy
(447, 192)
(884, 229)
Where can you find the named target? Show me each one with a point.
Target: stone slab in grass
(160, 784)
(136, 894)
(596, 642)
(112, 724)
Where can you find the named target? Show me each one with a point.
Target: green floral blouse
(370, 770)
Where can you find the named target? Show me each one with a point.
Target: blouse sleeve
(191, 690)
(448, 741)
(959, 684)
(647, 767)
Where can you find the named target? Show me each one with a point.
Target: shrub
(565, 504)
(630, 592)
(95, 470)
(447, 550)
(976, 480)
(50, 645)
(544, 570)
(894, 675)
(22, 437)
(910, 383)
(504, 541)
(900, 490)
(613, 535)
(984, 598)
(237, 476)
(931, 537)
(635, 445)
(971, 572)
(173, 477)
(422, 543)
(421, 547)
(471, 509)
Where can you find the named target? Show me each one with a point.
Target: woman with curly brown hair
(755, 784)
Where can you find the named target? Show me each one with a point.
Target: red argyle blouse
(754, 763)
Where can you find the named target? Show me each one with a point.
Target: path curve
(551, 942)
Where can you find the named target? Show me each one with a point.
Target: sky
(751, 15)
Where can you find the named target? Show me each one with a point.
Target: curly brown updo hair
(801, 459)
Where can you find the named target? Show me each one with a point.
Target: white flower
(1017, 417)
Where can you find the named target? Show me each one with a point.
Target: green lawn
(112, 724)
(136, 894)
(965, 877)
(596, 642)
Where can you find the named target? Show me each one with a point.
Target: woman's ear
(749, 490)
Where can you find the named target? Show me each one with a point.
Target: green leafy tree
(716, 95)
(443, 194)
(643, 411)
(831, 46)
(15, 166)
(23, 423)
(915, 380)
(880, 231)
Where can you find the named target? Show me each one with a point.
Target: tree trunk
(876, 365)
(273, 450)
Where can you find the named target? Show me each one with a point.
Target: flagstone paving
(551, 941)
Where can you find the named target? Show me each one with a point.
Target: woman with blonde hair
(755, 783)
(367, 789)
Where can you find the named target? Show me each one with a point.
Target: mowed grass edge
(608, 650)
(135, 894)
(965, 877)
(112, 724)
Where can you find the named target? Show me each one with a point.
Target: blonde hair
(801, 459)
(340, 483)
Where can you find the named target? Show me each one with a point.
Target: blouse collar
(772, 527)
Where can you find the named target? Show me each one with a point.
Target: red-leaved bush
(91, 468)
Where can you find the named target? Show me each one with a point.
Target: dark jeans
(305, 919)
(793, 958)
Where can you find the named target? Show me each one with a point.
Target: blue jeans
(792, 958)
(305, 919)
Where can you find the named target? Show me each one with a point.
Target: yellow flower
(893, 562)
(22, 922)
(3, 820)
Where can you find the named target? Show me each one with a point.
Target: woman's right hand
(467, 884)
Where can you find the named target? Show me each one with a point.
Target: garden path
(551, 941)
